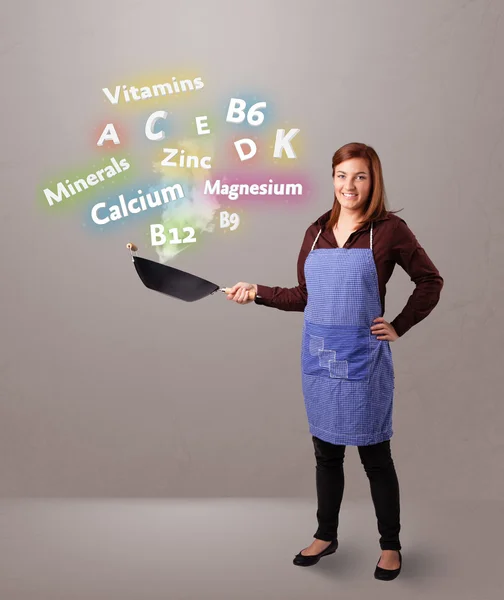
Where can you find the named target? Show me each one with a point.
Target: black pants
(379, 467)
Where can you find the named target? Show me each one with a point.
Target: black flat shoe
(388, 574)
(306, 561)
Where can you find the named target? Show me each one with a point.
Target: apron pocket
(336, 351)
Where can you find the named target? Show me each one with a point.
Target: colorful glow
(197, 210)
(85, 183)
(208, 162)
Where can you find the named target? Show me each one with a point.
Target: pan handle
(133, 249)
(251, 293)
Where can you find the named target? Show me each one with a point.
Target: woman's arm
(294, 298)
(409, 254)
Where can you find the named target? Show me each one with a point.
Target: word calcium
(135, 205)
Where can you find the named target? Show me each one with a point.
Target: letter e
(201, 124)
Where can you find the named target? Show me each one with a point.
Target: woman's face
(352, 184)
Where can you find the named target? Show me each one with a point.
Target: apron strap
(320, 231)
(370, 238)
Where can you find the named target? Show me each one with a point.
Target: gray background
(109, 390)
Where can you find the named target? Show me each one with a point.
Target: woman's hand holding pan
(240, 292)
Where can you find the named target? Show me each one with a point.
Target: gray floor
(239, 549)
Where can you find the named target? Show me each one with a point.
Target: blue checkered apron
(347, 373)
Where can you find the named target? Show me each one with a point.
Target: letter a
(109, 133)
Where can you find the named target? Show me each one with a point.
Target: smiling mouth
(350, 195)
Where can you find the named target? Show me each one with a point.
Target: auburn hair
(376, 205)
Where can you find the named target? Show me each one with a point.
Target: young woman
(345, 262)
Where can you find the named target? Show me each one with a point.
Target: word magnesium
(235, 190)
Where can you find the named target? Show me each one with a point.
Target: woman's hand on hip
(240, 292)
(383, 330)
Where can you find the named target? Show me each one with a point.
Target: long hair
(377, 200)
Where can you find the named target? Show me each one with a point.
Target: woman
(345, 262)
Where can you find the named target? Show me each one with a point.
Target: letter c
(94, 210)
(205, 162)
(130, 206)
(151, 121)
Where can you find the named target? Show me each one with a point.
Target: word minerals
(68, 189)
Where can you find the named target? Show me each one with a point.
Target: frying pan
(173, 282)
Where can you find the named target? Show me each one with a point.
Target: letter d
(252, 145)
